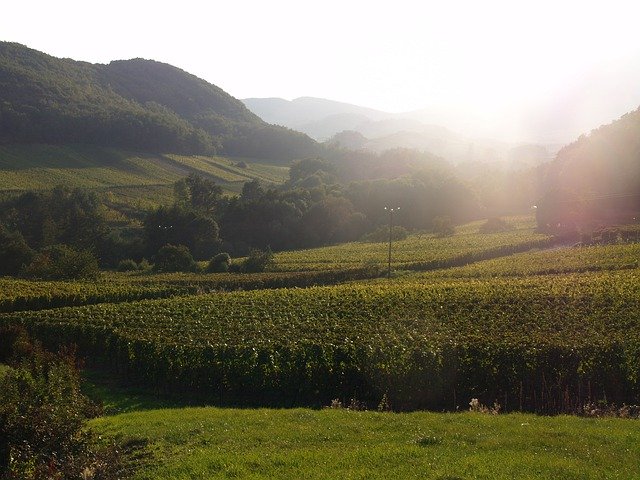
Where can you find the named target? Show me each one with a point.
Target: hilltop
(134, 104)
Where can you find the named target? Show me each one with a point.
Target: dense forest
(134, 104)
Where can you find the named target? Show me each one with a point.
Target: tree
(443, 226)
(174, 258)
(219, 263)
(62, 262)
(14, 252)
(204, 194)
(181, 226)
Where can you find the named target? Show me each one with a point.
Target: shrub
(219, 263)
(494, 225)
(257, 261)
(14, 252)
(174, 258)
(443, 226)
(381, 234)
(43, 418)
(127, 265)
(62, 262)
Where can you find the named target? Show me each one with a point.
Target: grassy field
(187, 442)
(212, 443)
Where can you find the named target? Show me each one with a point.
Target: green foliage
(603, 163)
(43, 415)
(257, 261)
(127, 265)
(181, 226)
(494, 225)
(421, 251)
(14, 252)
(135, 104)
(381, 234)
(422, 343)
(547, 262)
(60, 215)
(62, 262)
(20, 294)
(443, 226)
(560, 212)
(174, 258)
(303, 169)
(325, 444)
(219, 263)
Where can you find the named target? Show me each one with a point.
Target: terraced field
(130, 179)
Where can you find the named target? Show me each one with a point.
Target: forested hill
(606, 162)
(134, 104)
(595, 180)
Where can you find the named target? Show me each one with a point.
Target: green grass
(215, 443)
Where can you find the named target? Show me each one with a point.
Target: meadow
(213, 443)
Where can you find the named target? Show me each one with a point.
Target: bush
(219, 263)
(381, 234)
(127, 265)
(257, 261)
(14, 252)
(174, 258)
(43, 417)
(494, 225)
(61, 262)
(443, 226)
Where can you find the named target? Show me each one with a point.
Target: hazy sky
(483, 56)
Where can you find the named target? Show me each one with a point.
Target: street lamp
(390, 210)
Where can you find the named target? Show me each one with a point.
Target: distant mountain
(309, 110)
(135, 104)
(336, 122)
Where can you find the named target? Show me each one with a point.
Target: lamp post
(390, 210)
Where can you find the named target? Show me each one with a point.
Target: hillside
(129, 179)
(598, 176)
(134, 104)
(606, 161)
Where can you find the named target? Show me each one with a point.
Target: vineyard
(548, 262)
(17, 294)
(419, 252)
(131, 180)
(546, 344)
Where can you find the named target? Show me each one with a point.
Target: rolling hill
(136, 104)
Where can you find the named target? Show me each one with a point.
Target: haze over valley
(422, 208)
